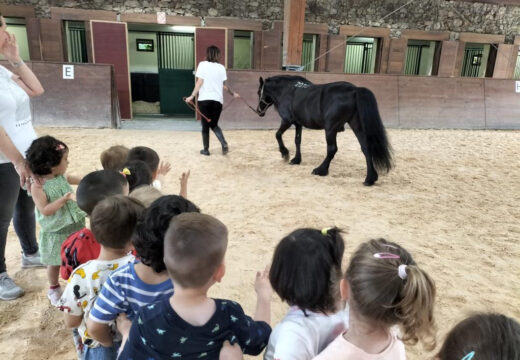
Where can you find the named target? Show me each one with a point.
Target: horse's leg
(332, 148)
(372, 176)
(283, 127)
(297, 159)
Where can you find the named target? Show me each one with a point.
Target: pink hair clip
(386, 255)
(60, 147)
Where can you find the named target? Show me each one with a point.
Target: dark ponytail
(306, 269)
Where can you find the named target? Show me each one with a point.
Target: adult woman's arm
(196, 89)
(25, 78)
(10, 151)
(230, 92)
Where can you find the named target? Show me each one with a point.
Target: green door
(176, 66)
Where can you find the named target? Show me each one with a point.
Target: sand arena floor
(452, 201)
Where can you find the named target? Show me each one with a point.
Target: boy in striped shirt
(140, 283)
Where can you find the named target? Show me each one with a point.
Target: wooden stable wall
(404, 101)
(86, 101)
(90, 100)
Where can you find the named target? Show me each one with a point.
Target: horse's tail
(377, 141)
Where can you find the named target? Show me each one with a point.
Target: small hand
(123, 324)
(236, 95)
(24, 173)
(69, 196)
(164, 168)
(263, 285)
(230, 352)
(10, 49)
(184, 178)
(189, 99)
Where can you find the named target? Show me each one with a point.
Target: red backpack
(79, 248)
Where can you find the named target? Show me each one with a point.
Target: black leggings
(15, 201)
(211, 109)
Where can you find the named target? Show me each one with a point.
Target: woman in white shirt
(211, 79)
(16, 135)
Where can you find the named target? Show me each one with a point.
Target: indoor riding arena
(446, 77)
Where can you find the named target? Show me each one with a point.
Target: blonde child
(56, 211)
(391, 304)
(112, 221)
(190, 324)
(305, 273)
(114, 158)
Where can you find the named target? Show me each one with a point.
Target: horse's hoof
(285, 157)
(320, 172)
(296, 161)
(368, 183)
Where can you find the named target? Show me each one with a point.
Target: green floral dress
(55, 229)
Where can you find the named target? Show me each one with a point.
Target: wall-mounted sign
(68, 72)
(161, 17)
(518, 86)
(144, 45)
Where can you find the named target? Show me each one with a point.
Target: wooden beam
(506, 61)
(294, 21)
(482, 38)
(17, 11)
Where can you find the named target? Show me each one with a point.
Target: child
(189, 324)
(112, 221)
(146, 195)
(384, 288)
(82, 246)
(56, 211)
(114, 158)
(158, 169)
(151, 158)
(137, 173)
(483, 337)
(141, 283)
(305, 273)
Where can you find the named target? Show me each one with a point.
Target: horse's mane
(291, 78)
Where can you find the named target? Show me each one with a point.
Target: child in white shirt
(305, 273)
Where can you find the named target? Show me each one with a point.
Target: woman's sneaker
(8, 289)
(54, 296)
(31, 261)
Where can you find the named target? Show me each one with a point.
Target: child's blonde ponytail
(415, 310)
(387, 287)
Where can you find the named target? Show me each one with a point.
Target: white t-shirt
(15, 113)
(214, 75)
(300, 337)
(341, 349)
(82, 290)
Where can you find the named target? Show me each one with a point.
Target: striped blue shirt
(125, 292)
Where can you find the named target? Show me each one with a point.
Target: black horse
(328, 106)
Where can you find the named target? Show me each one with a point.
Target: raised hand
(184, 184)
(10, 49)
(164, 168)
(262, 285)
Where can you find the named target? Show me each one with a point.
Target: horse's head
(264, 100)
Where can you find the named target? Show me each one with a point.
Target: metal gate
(413, 59)
(77, 42)
(472, 62)
(358, 58)
(176, 62)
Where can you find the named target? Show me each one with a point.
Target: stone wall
(439, 15)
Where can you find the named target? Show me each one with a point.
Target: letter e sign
(68, 71)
